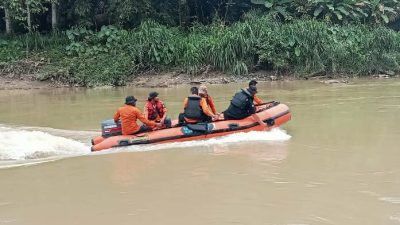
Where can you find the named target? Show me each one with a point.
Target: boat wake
(275, 135)
(21, 146)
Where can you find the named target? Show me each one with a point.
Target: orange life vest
(156, 111)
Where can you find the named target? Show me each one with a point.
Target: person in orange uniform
(129, 114)
(196, 109)
(256, 99)
(155, 110)
(204, 94)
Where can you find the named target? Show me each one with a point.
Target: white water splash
(25, 146)
(275, 135)
(17, 144)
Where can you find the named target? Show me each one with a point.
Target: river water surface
(335, 162)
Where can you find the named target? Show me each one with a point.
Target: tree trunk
(8, 20)
(28, 17)
(54, 16)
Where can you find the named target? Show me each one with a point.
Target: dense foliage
(43, 15)
(99, 42)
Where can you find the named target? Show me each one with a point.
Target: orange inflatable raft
(275, 114)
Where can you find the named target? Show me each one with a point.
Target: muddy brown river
(336, 161)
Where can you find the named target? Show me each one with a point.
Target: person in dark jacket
(195, 109)
(242, 106)
(256, 99)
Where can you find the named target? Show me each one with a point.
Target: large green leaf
(318, 11)
(343, 10)
(389, 9)
(282, 11)
(258, 2)
(338, 15)
(361, 12)
(268, 4)
(385, 18)
(282, 2)
(292, 42)
(297, 51)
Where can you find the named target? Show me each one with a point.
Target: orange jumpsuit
(257, 100)
(210, 103)
(129, 115)
(149, 108)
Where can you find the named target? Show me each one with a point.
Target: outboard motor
(110, 128)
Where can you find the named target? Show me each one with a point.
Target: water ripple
(395, 218)
(394, 200)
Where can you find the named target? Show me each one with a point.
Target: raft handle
(123, 143)
(270, 122)
(233, 126)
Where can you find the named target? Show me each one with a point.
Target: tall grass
(302, 47)
(20, 46)
(311, 47)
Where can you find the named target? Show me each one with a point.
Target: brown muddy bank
(167, 79)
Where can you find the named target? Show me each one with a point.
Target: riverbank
(170, 79)
(18, 84)
(150, 79)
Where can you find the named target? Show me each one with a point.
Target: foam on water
(394, 200)
(276, 135)
(18, 144)
(21, 146)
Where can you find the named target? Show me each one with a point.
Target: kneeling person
(129, 114)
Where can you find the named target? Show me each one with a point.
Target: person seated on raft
(242, 106)
(257, 100)
(129, 114)
(203, 92)
(195, 109)
(155, 110)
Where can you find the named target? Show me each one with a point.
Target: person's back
(129, 114)
(241, 105)
(195, 109)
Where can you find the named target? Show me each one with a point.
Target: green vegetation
(304, 38)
